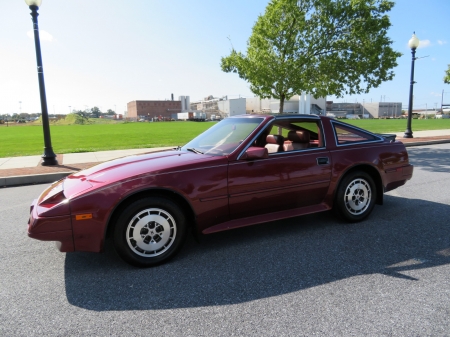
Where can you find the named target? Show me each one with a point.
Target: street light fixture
(49, 157)
(413, 44)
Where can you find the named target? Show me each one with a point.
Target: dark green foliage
(322, 47)
(447, 75)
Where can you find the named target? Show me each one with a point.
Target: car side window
(347, 135)
(292, 135)
(313, 130)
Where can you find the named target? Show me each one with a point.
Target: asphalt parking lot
(311, 275)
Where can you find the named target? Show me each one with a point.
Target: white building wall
(304, 104)
(232, 107)
(255, 104)
(224, 107)
(265, 104)
(237, 106)
(321, 102)
(290, 106)
(297, 104)
(372, 109)
(252, 104)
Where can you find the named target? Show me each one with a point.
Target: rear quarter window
(348, 135)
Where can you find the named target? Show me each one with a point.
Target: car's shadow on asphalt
(268, 260)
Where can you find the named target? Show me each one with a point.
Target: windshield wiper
(194, 150)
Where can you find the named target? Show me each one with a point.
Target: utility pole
(442, 101)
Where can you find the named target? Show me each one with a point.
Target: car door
(283, 181)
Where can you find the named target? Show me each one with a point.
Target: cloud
(441, 42)
(43, 35)
(424, 43)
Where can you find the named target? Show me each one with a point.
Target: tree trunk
(282, 97)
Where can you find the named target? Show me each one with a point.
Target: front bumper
(56, 228)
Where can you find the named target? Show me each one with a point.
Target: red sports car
(242, 171)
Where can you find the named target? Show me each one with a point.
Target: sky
(108, 53)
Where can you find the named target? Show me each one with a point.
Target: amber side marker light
(83, 216)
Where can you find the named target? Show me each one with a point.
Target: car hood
(123, 169)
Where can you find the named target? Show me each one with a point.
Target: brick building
(152, 109)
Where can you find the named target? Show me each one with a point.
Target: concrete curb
(428, 142)
(31, 179)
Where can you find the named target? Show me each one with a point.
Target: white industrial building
(223, 107)
(301, 104)
(365, 110)
(220, 107)
(232, 107)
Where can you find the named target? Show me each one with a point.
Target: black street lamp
(413, 44)
(49, 157)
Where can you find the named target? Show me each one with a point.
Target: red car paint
(220, 191)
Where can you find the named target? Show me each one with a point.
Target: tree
(95, 111)
(110, 112)
(78, 117)
(447, 75)
(322, 47)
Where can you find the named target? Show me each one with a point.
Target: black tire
(355, 197)
(149, 232)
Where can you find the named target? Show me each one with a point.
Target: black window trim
(377, 139)
(299, 117)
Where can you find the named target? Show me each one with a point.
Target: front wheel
(149, 231)
(356, 196)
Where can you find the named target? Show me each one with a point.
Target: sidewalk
(28, 170)
(16, 171)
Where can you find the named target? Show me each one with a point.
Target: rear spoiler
(388, 136)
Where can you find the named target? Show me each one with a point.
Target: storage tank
(183, 103)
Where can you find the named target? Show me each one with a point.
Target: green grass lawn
(27, 140)
(399, 125)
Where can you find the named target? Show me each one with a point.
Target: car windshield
(224, 137)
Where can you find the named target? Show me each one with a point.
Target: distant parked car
(242, 171)
(352, 116)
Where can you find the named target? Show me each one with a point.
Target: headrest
(299, 136)
(275, 139)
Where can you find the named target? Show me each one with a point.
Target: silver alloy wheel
(357, 196)
(151, 232)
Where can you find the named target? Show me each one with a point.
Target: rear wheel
(356, 196)
(149, 231)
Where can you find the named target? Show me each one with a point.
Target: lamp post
(49, 157)
(413, 44)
